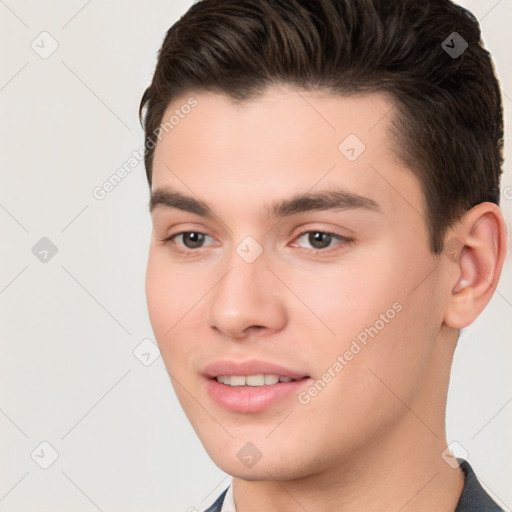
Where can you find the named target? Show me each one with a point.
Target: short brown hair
(448, 121)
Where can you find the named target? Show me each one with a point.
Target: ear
(476, 249)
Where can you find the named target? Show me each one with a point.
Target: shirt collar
(473, 498)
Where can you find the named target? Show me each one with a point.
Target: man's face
(352, 315)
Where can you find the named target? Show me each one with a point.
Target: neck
(404, 472)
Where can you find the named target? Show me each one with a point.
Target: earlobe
(482, 239)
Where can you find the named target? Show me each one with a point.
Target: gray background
(71, 374)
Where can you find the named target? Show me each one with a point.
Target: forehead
(286, 141)
(318, 119)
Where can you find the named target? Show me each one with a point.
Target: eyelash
(187, 252)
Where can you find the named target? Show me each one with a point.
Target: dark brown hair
(448, 121)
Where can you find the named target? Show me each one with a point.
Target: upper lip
(249, 367)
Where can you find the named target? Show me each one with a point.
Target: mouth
(254, 371)
(251, 386)
(253, 380)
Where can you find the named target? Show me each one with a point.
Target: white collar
(229, 502)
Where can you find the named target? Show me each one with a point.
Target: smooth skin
(372, 439)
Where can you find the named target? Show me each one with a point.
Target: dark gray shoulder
(474, 498)
(216, 507)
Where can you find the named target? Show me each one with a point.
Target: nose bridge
(247, 295)
(247, 262)
(245, 285)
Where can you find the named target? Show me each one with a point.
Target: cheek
(386, 341)
(374, 321)
(347, 298)
(172, 295)
(158, 293)
(166, 297)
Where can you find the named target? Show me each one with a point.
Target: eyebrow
(315, 201)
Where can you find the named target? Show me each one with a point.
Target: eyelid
(186, 251)
(171, 238)
(342, 239)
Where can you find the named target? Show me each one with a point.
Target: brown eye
(188, 243)
(319, 240)
(192, 239)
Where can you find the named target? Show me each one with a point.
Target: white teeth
(255, 380)
(251, 380)
(236, 381)
(271, 379)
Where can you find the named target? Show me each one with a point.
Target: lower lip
(252, 399)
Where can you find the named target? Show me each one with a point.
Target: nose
(247, 300)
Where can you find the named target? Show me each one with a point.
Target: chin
(275, 461)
